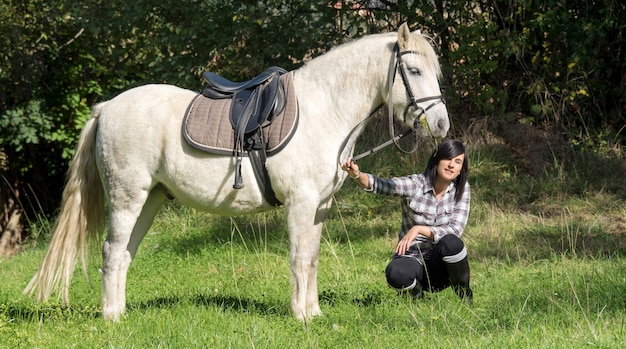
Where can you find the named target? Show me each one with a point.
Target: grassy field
(548, 259)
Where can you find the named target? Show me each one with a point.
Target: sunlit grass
(548, 271)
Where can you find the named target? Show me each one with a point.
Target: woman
(430, 254)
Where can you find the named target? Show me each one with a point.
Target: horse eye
(415, 71)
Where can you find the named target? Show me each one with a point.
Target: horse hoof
(112, 315)
(306, 317)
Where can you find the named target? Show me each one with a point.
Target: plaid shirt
(421, 207)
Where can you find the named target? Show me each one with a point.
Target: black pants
(445, 265)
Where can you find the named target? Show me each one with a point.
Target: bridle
(407, 86)
(396, 64)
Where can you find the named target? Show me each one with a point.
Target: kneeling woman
(430, 254)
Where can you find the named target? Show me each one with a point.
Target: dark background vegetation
(541, 79)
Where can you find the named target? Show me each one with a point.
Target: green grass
(547, 257)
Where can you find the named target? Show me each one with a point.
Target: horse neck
(346, 84)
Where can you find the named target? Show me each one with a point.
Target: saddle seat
(255, 101)
(218, 83)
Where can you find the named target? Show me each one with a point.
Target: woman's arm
(408, 238)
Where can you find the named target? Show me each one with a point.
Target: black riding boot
(459, 274)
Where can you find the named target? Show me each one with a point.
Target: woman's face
(449, 169)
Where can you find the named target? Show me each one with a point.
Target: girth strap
(258, 156)
(257, 159)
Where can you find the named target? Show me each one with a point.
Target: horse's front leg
(305, 222)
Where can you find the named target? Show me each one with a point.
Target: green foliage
(25, 126)
(560, 67)
(475, 58)
(250, 36)
(560, 64)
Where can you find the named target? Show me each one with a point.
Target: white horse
(132, 155)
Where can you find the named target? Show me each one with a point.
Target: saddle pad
(207, 126)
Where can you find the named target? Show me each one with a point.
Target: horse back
(143, 117)
(141, 145)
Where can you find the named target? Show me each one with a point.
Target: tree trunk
(11, 233)
(11, 227)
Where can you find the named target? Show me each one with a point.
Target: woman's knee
(404, 273)
(450, 245)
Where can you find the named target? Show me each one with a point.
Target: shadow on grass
(34, 312)
(246, 305)
(226, 303)
(331, 297)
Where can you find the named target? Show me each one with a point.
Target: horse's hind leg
(128, 226)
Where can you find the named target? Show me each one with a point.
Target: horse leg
(305, 231)
(121, 246)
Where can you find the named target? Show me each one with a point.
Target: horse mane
(419, 42)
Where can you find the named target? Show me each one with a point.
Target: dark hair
(446, 151)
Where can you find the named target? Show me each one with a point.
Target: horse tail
(81, 219)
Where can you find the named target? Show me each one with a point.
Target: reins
(394, 63)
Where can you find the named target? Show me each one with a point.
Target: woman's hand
(352, 168)
(353, 171)
(410, 236)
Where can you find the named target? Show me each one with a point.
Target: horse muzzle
(418, 114)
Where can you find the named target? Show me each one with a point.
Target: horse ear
(403, 36)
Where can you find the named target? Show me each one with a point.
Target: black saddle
(254, 103)
(220, 84)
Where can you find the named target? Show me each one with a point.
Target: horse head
(416, 96)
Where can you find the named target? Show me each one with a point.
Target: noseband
(407, 86)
